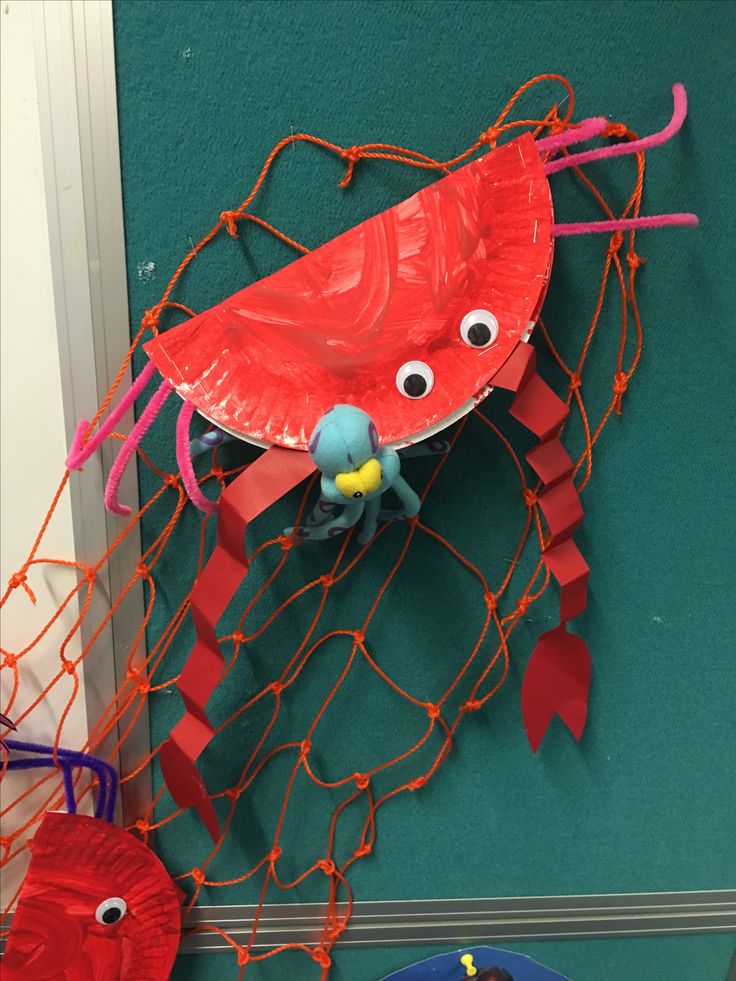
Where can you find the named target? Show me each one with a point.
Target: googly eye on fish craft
(396, 329)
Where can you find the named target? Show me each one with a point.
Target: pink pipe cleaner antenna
(585, 130)
(626, 224)
(184, 459)
(635, 146)
(80, 452)
(129, 447)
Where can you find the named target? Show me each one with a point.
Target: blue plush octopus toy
(356, 471)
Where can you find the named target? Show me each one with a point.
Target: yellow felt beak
(364, 480)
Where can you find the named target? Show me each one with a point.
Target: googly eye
(111, 911)
(415, 379)
(479, 328)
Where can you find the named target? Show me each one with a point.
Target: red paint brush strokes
(77, 862)
(336, 325)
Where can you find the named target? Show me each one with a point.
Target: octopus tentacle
(209, 440)
(322, 511)
(370, 521)
(349, 516)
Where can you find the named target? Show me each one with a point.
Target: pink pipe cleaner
(586, 129)
(184, 459)
(625, 224)
(129, 447)
(635, 146)
(80, 452)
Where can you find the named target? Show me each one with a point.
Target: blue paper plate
(448, 967)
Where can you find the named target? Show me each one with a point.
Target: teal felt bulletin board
(646, 801)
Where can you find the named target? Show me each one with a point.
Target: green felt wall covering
(646, 801)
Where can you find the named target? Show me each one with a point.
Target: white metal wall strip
(466, 921)
(75, 66)
(469, 921)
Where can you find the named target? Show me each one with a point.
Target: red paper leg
(557, 678)
(256, 489)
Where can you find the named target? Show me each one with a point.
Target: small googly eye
(415, 379)
(111, 911)
(479, 328)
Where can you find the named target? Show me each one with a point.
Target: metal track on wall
(470, 921)
(75, 69)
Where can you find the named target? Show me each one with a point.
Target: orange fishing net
(477, 673)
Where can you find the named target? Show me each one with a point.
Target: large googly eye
(415, 379)
(111, 911)
(479, 328)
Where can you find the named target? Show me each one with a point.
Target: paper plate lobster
(403, 323)
(96, 903)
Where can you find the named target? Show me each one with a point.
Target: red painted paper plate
(96, 903)
(386, 300)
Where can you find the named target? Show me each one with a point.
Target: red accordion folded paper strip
(557, 678)
(266, 480)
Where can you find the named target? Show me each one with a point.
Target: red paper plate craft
(96, 904)
(395, 329)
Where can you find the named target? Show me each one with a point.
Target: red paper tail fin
(556, 682)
